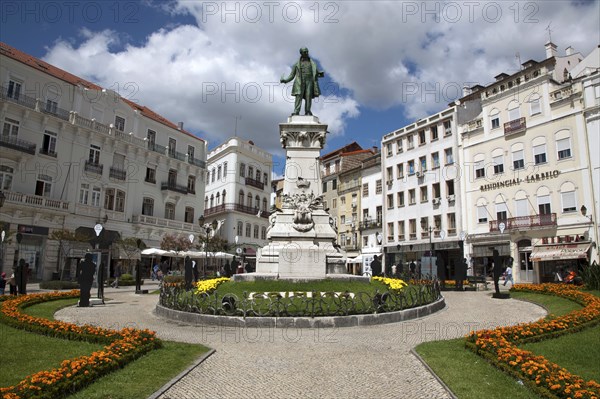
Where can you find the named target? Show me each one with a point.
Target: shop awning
(560, 251)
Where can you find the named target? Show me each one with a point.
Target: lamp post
(138, 272)
(100, 275)
(379, 238)
(425, 226)
(2, 199)
(207, 229)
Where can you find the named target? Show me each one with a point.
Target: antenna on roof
(236, 120)
(518, 57)
(549, 32)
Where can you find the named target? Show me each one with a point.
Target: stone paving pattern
(355, 362)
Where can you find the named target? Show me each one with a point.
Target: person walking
(2, 283)
(508, 275)
(117, 274)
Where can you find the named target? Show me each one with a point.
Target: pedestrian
(117, 274)
(508, 275)
(2, 283)
(155, 270)
(196, 271)
(12, 284)
(227, 269)
(188, 273)
(413, 269)
(234, 265)
(376, 266)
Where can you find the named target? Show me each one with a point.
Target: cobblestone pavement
(365, 362)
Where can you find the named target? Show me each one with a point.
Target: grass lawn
(459, 368)
(25, 353)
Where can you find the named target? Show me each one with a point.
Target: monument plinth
(302, 234)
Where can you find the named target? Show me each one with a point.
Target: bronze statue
(306, 84)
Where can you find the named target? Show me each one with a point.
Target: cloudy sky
(212, 63)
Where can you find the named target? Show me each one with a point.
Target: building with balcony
(238, 193)
(74, 155)
(420, 193)
(526, 172)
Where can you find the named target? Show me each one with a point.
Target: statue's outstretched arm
(289, 78)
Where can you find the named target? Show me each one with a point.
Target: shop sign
(533, 178)
(37, 230)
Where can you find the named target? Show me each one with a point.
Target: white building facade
(371, 216)
(74, 155)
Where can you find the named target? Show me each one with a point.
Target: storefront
(482, 256)
(31, 249)
(558, 258)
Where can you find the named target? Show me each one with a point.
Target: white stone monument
(302, 234)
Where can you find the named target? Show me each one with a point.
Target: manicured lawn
(470, 376)
(24, 353)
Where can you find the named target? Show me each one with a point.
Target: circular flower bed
(499, 345)
(123, 346)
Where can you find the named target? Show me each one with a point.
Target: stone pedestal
(302, 234)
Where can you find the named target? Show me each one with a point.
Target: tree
(66, 238)
(129, 245)
(175, 242)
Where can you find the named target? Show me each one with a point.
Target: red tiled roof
(354, 146)
(65, 76)
(345, 154)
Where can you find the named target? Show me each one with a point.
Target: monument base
(501, 295)
(275, 276)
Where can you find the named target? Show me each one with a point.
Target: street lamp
(100, 275)
(138, 272)
(583, 210)
(207, 229)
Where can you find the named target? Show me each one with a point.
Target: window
(242, 170)
(479, 170)
(521, 207)
(49, 144)
(378, 188)
(249, 200)
(264, 204)
(482, 215)
(569, 202)
(120, 201)
(535, 106)
(422, 140)
(213, 175)
(257, 202)
(43, 185)
(400, 170)
(14, 90)
(388, 150)
(564, 148)
(390, 201)
(412, 199)
(240, 228)
(539, 154)
(337, 165)
(151, 138)
(148, 206)
(324, 186)
(399, 146)
(501, 213)
(400, 196)
(255, 231)
(334, 203)
(379, 214)
(401, 230)
(450, 187)
(11, 128)
(150, 175)
(51, 106)
(343, 200)
(365, 190)
(170, 211)
(84, 193)
(423, 163)
(114, 200)
(343, 219)
(258, 174)
(449, 156)
(410, 142)
(495, 119)
(120, 123)
(265, 178)
(250, 172)
(411, 167)
(390, 233)
(172, 178)
(451, 220)
(219, 170)
(190, 153)
(263, 233)
(447, 128)
(389, 174)
(94, 155)
(518, 160)
(172, 147)
(241, 197)
(412, 228)
(544, 205)
(434, 133)
(435, 160)
(435, 188)
(191, 184)
(334, 184)
(96, 194)
(498, 165)
(424, 194)
(224, 171)
(513, 111)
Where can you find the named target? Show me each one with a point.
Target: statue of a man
(306, 84)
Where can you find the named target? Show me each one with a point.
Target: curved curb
(301, 322)
(442, 383)
(180, 376)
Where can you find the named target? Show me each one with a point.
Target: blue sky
(207, 62)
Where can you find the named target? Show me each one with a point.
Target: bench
(476, 280)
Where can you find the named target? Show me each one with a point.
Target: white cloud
(383, 54)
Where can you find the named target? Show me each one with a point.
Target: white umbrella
(223, 255)
(358, 259)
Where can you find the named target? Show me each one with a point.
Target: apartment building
(238, 193)
(371, 212)
(421, 200)
(75, 155)
(527, 175)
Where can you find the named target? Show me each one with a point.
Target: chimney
(179, 125)
(550, 50)
(466, 91)
(375, 149)
(569, 50)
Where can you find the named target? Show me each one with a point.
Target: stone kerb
(301, 322)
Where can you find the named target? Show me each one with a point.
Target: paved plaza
(365, 362)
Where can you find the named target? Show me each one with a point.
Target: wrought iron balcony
(515, 126)
(524, 222)
(255, 183)
(50, 153)
(161, 149)
(117, 173)
(222, 208)
(93, 167)
(172, 186)
(369, 224)
(17, 144)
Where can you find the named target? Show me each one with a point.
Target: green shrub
(173, 279)
(58, 285)
(127, 276)
(591, 276)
